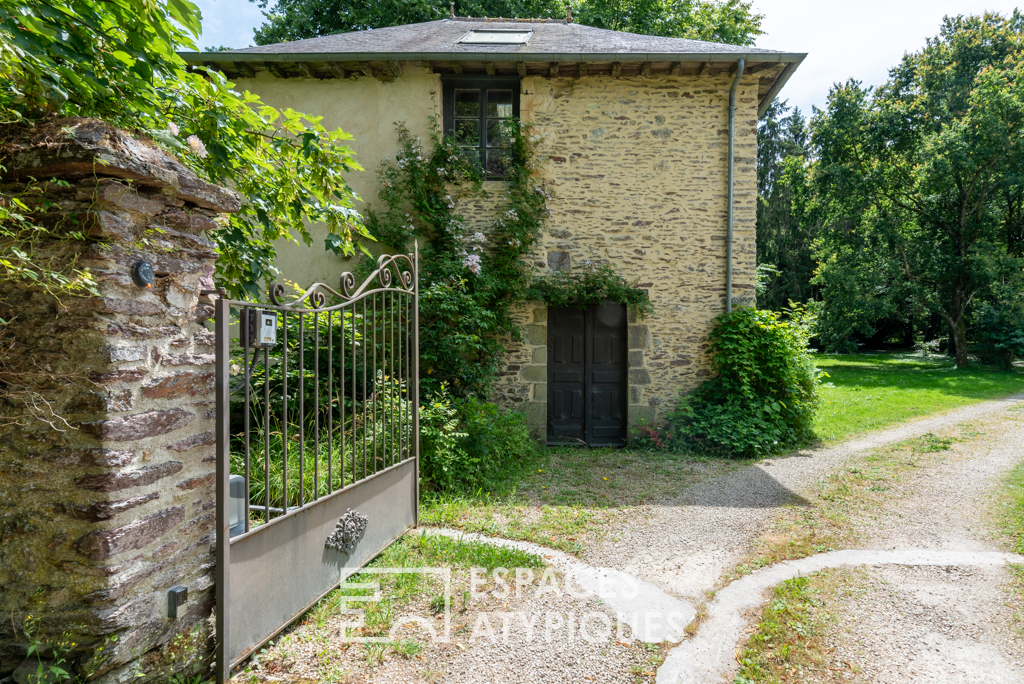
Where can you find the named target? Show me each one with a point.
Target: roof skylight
(497, 37)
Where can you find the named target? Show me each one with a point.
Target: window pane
(497, 133)
(497, 162)
(467, 103)
(499, 104)
(472, 154)
(467, 131)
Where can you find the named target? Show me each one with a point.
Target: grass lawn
(1010, 511)
(869, 391)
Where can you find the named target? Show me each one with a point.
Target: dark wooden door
(566, 371)
(587, 375)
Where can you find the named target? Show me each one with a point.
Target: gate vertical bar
(284, 412)
(416, 370)
(316, 405)
(330, 401)
(222, 349)
(247, 418)
(376, 388)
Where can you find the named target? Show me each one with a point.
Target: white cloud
(861, 40)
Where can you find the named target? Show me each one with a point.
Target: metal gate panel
(318, 421)
(274, 573)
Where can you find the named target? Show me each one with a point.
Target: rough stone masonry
(107, 411)
(637, 171)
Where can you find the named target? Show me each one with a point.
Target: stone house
(635, 148)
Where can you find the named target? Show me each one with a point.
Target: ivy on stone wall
(470, 282)
(586, 284)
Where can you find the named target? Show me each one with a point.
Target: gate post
(106, 503)
(223, 488)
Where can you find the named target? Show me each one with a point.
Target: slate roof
(556, 48)
(429, 40)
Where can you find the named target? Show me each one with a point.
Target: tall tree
(920, 179)
(727, 21)
(785, 230)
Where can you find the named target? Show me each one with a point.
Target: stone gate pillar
(107, 412)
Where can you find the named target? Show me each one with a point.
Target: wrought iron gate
(317, 445)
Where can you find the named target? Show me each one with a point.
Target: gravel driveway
(687, 544)
(948, 624)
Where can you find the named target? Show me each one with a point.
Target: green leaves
(765, 392)
(919, 185)
(588, 284)
(116, 60)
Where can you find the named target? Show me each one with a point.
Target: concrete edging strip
(711, 654)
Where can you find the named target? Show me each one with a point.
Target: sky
(862, 39)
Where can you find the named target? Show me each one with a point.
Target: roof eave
(781, 81)
(569, 57)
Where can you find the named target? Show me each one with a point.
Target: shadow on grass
(915, 372)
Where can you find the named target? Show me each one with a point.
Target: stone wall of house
(637, 172)
(106, 423)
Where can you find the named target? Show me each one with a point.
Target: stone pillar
(107, 412)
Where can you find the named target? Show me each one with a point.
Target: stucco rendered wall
(637, 171)
(368, 109)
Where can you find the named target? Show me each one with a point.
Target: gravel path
(954, 622)
(685, 545)
(933, 605)
(710, 656)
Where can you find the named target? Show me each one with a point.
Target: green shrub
(498, 442)
(999, 333)
(764, 394)
(470, 445)
(443, 460)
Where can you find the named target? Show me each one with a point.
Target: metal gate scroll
(317, 445)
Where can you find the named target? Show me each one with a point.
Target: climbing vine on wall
(471, 281)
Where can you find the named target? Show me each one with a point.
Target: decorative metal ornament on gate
(347, 532)
(318, 423)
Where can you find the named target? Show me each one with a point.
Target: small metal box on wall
(260, 328)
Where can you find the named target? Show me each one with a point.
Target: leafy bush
(765, 390)
(443, 460)
(470, 445)
(497, 441)
(586, 284)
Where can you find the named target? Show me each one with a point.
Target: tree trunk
(958, 336)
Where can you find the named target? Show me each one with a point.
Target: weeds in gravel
(309, 643)
(789, 638)
(653, 656)
(572, 495)
(559, 527)
(824, 523)
(1012, 497)
(1011, 501)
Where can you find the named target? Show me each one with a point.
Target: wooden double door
(587, 374)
